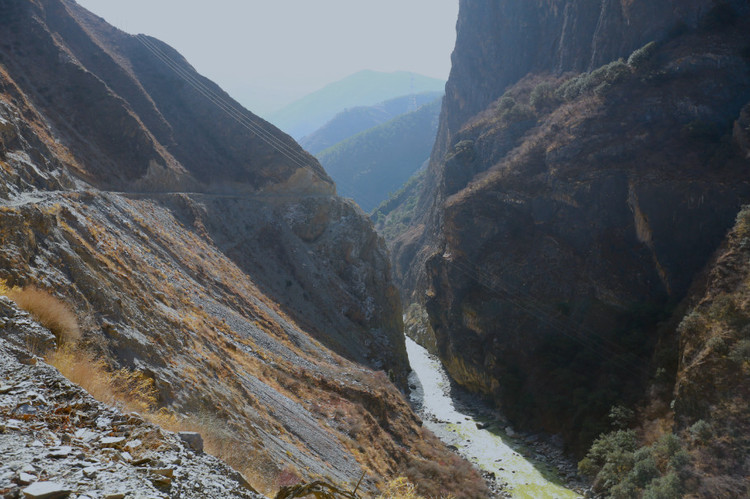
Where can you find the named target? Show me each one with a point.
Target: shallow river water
(482, 447)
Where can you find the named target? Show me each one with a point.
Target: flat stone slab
(61, 452)
(112, 441)
(26, 478)
(46, 490)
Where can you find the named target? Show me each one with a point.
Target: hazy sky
(269, 52)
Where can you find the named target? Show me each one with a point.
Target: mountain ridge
(358, 119)
(375, 162)
(363, 88)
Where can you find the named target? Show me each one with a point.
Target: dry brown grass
(48, 310)
(399, 488)
(132, 391)
(128, 390)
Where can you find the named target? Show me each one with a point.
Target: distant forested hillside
(358, 119)
(373, 164)
(364, 88)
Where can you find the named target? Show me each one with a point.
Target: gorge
(575, 253)
(205, 257)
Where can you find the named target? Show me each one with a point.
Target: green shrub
(603, 88)
(543, 96)
(505, 104)
(725, 310)
(570, 89)
(598, 81)
(740, 353)
(621, 417)
(717, 344)
(512, 111)
(667, 446)
(641, 56)
(611, 73)
(623, 470)
(701, 431)
(693, 324)
(519, 112)
(666, 487)
(644, 470)
(742, 223)
(607, 448)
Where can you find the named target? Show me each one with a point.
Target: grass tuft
(48, 310)
(400, 488)
(128, 390)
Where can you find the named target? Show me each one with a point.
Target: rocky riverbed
(516, 465)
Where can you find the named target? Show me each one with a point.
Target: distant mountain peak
(363, 88)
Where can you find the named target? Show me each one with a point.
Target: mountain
(358, 119)
(374, 163)
(364, 88)
(179, 257)
(590, 160)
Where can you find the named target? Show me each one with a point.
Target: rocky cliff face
(136, 117)
(500, 42)
(202, 250)
(573, 198)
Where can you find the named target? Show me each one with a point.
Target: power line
(257, 128)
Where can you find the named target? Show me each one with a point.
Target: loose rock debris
(56, 441)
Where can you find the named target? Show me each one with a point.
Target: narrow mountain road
(488, 449)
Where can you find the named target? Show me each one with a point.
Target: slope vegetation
(376, 162)
(212, 263)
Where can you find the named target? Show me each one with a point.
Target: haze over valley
(468, 249)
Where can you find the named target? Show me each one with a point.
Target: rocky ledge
(57, 441)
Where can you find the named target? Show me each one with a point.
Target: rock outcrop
(54, 437)
(203, 251)
(572, 197)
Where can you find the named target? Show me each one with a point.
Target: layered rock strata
(572, 197)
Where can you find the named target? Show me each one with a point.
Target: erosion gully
(494, 451)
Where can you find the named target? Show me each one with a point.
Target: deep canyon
(575, 253)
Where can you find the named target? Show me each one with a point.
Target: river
(486, 449)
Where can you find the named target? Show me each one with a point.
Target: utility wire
(230, 110)
(257, 128)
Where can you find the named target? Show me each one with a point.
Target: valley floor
(492, 449)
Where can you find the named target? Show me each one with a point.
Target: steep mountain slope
(214, 262)
(566, 213)
(364, 88)
(358, 119)
(376, 162)
(35, 401)
(713, 379)
(212, 152)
